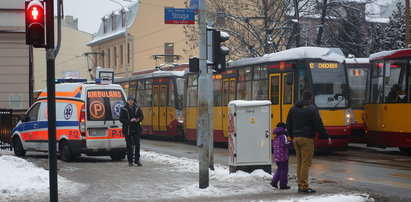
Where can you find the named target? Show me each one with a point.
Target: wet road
(384, 174)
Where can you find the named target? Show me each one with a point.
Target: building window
(102, 59)
(104, 25)
(128, 53)
(108, 58)
(121, 55)
(115, 56)
(169, 50)
(113, 21)
(123, 18)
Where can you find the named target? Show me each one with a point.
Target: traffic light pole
(51, 100)
(205, 102)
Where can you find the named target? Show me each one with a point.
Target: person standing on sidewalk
(131, 116)
(280, 155)
(303, 122)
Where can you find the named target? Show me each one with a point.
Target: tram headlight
(349, 117)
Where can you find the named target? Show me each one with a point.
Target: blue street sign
(179, 16)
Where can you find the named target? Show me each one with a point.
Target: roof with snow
(130, 12)
(327, 54)
(357, 61)
(391, 54)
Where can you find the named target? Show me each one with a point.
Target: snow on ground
(21, 179)
(240, 181)
(32, 181)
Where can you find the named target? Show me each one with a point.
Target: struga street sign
(179, 16)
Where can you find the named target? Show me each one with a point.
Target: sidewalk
(168, 178)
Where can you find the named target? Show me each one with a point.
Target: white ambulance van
(87, 121)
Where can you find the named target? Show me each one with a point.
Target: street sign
(179, 16)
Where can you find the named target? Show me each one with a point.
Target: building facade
(135, 37)
(72, 60)
(15, 64)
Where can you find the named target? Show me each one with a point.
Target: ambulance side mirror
(23, 117)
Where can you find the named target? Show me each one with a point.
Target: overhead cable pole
(407, 23)
(204, 83)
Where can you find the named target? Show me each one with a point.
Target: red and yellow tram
(387, 108)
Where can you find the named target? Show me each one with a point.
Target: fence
(7, 123)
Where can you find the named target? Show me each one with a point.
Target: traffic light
(194, 64)
(219, 50)
(35, 23)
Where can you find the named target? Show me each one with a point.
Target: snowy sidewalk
(162, 178)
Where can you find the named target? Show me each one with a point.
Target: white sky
(31, 182)
(90, 12)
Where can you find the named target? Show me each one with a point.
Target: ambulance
(87, 121)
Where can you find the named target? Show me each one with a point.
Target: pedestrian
(303, 122)
(131, 117)
(280, 146)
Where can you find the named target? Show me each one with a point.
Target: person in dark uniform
(131, 116)
(303, 122)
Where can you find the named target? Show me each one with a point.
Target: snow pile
(22, 179)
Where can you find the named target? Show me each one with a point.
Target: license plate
(97, 132)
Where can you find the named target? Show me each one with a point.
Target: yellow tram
(280, 77)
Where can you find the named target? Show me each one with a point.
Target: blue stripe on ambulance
(43, 124)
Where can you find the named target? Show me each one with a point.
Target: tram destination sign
(179, 16)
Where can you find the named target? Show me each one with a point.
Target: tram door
(156, 106)
(163, 108)
(228, 95)
(159, 108)
(281, 97)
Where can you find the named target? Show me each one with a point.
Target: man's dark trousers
(133, 138)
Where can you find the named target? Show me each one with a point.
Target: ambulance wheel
(117, 156)
(18, 147)
(65, 152)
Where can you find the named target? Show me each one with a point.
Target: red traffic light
(35, 23)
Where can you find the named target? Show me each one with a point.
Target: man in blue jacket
(131, 116)
(303, 122)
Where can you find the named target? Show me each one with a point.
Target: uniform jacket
(280, 145)
(126, 120)
(304, 120)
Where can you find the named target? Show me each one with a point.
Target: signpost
(179, 16)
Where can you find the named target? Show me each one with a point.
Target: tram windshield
(329, 83)
(357, 78)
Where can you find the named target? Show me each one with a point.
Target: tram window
(302, 81)
(244, 90)
(132, 89)
(394, 81)
(260, 72)
(245, 74)
(140, 93)
(376, 83)
(275, 90)
(288, 93)
(232, 90)
(156, 96)
(180, 92)
(163, 96)
(260, 90)
(217, 92)
(192, 82)
(171, 95)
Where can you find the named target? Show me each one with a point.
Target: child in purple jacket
(280, 156)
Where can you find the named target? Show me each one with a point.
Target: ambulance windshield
(103, 105)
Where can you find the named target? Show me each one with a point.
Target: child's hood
(279, 130)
